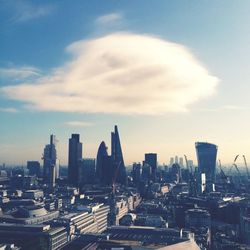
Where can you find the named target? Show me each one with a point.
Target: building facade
(75, 156)
(117, 158)
(206, 157)
(49, 159)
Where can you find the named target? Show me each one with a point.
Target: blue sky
(176, 72)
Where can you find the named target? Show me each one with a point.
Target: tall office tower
(50, 158)
(87, 171)
(206, 157)
(176, 161)
(52, 176)
(75, 156)
(181, 162)
(151, 160)
(117, 158)
(171, 161)
(34, 168)
(101, 153)
(107, 170)
(146, 172)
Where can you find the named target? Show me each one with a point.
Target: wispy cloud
(123, 73)
(110, 18)
(225, 108)
(8, 110)
(23, 11)
(19, 73)
(79, 124)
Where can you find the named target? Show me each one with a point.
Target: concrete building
(30, 237)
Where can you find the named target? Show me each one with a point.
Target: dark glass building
(206, 157)
(75, 157)
(101, 153)
(151, 160)
(117, 158)
(34, 168)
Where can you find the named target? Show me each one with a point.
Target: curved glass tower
(101, 153)
(206, 157)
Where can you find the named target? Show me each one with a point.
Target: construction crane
(192, 179)
(222, 172)
(188, 167)
(234, 164)
(245, 162)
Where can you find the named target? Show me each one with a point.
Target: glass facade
(206, 157)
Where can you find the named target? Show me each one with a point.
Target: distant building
(206, 157)
(34, 168)
(146, 172)
(176, 160)
(136, 172)
(117, 158)
(181, 162)
(108, 170)
(49, 159)
(101, 153)
(75, 155)
(151, 160)
(87, 171)
(171, 162)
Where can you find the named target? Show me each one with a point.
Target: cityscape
(124, 125)
(99, 203)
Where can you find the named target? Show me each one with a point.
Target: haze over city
(182, 78)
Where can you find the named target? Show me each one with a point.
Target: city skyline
(44, 49)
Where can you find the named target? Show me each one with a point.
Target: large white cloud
(120, 73)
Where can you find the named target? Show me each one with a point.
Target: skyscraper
(117, 158)
(206, 157)
(101, 153)
(75, 156)
(87, 171)
(50, 158)
(151, 160)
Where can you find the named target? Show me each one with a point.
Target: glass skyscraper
(75, 157)
(117, 158)
(101, 154)
(206, 157)
(151, 160)
(50, 158)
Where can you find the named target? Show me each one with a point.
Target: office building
(87, 171)
(101, 153)
(30, 237)
(151, 160)
(34, 168)
(107, 170)
(171, 162)
(49, 159)
(75, 156)
(117, 158)
(136, 172)
(206, 157)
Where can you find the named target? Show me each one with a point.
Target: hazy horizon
(169, 74)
